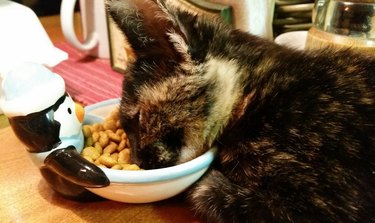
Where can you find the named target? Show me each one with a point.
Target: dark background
(43, 7)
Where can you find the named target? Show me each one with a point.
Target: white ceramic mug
(254, 16)
(94, 26)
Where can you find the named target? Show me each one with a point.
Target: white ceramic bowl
(294, 39)
(147, 185)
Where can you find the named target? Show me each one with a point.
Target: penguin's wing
(70, 165)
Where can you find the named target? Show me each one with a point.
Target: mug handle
(67, 25)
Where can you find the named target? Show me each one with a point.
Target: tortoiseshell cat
(295, 130)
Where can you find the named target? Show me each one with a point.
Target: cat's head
(165, 102)
(166, 124)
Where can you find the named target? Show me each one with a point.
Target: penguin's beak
(80, 112)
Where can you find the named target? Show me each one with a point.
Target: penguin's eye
(69, 111)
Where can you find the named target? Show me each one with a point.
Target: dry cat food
(107, 145)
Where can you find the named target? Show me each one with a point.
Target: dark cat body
(295, 130)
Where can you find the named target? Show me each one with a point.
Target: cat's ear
(148, 28)
(181, 18)
(197, 29)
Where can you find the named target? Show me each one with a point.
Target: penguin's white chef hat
(30, 88)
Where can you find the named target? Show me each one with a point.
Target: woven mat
(88, 80)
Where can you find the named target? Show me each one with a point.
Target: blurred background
(289, 15)
(42, 7)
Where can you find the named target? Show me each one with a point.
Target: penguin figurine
(47, 120)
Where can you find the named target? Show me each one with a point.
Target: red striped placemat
(88, 80)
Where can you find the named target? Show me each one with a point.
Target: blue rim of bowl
(153, 175)
(92, 107)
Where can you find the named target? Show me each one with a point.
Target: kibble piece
(107, 161)
(110, 148)
(114, 156)
(86, 129)
(97, 127)
(98, 147)
(119, 132)
(91, 152)
(103, 139)
(124, 156)
(89, 142)
(121, 145)
(110, 124)
(117, 167)
(113, 136)
(130, 167)
(95, 136)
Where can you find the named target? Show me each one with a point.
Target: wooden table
(26, 197)
(53, 28)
